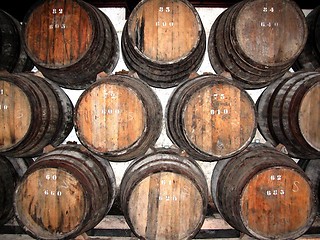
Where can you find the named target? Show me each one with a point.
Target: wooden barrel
(11, 170)
(70, 41)
(13, 57)
(64, 193)
(256, 52)
(164, 196)
(163, 41)
(118, 117)
(288, 113)
(264, 193)
(34, 113)
(309, 59)
(312, 170)
(210, 118)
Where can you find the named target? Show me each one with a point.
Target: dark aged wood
(264, 193)
(11, 170)
(253, 41)
(288, 113)
(309, 59)
(70, 42)
(34, 113)
(119, 117)
(210, 117)
(164, 196)
(312, 169)
(163, 41)
(64, 193)
(13, 57)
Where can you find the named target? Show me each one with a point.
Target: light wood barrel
(264, 193)
(34, 113)
(13, 57)
(11, 170)
(164, 196)
(70, 41)
(210, 118)
(288, 113)
(119, 117)
(254, 43)
(163, 41)
(64, 193)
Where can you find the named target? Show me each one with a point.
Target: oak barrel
(210, 117)
(118, 117)
(34, 113)
(312, 170)
(64, 193)
(163, 41)
(164, 196)
(11, 170)
(254, 42)
(70, 41)
(13, 57)
(309, 59)
(264, 193)
(289, 113)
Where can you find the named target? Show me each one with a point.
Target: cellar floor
(115, 227)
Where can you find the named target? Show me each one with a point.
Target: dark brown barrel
(13, 57)
(64, 193)
(210, 117)
(70, 41)
(164, 196)
(264, 193)
(309, 59)
(11, 170)
(119, 117)
(312, 170)
(34, 113)
(289, 113)
(163, 41)
(254, 42)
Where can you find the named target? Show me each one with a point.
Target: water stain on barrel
(64, 193)
(119, 117)
(164, 196)
(210, 117)
(163, 41)
(264, 193)
(70, 42)
(255, 43)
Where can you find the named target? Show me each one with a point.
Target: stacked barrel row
(163, 193)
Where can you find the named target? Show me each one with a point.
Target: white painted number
(219, 111)
(3, 107)
(52, 193)
(164, 24)
(269, 24)
(276, 177)
(266, 9)
(55, 11)
(275, 192)
(164, 9)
